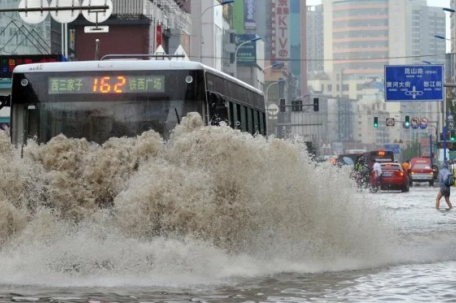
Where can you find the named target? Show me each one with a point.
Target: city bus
(380, 156)
(98, 100)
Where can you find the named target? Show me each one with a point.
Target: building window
(329, 87)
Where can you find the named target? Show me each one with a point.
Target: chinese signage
(249, 14)
(414, 83)
(111, 84)
(280, 23)
(247, 53)
(158, 35)
(9, 62)
(395, 148)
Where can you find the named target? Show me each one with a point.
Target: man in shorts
(377, 168)
(444, 190)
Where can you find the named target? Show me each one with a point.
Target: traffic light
(375, 122)
(407, 122)
(316, 106)
(296, 106)
(452, 135)
(282, 105)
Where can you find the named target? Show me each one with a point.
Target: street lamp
(274, 65)
(237, 49)
(281, 80)
(451, 11)
(278, 65)
(266, 99)
(449, 121)
(449, 118)
(202, 14)
(441, 37)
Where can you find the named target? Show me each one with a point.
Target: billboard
(246, 54)
(280, 28)
(249, 14)
(9, 62)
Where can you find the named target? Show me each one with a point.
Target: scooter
(361, 178)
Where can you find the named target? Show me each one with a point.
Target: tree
(410, 151)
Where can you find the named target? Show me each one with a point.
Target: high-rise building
(360, 37)
(212, 24)
(453, 27)
(315, 39)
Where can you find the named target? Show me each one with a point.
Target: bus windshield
(99, 105)
(381, 156)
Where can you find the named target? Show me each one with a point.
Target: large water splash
(211, 202)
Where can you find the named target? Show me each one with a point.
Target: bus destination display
(117, 84)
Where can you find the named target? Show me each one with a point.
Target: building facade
(135, 27)
(360, 37)
(211, 30)
(315, 39)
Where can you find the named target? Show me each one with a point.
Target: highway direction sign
(414, 83)
(396, 148)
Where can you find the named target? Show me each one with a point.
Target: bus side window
(31, 121)
(238, 116)
(262, 125)
(219, 108)
(255, 121)
(232, 113)
(243, 118)
(250, 121)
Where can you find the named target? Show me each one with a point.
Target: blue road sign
(395, 148)
(414, 83)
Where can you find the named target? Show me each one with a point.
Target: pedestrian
(444, 190)
(359, 165)
(377, 168)
(406, 166)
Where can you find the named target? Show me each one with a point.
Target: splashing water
(209, 204)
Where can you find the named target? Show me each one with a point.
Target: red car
(393, 177)
(421, 171)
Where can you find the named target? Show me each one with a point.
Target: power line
(335, 60)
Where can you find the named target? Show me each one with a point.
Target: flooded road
(213, 215)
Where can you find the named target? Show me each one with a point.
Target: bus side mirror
(5, 101)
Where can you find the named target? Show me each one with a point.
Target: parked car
(421, 171)
(394, 177)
